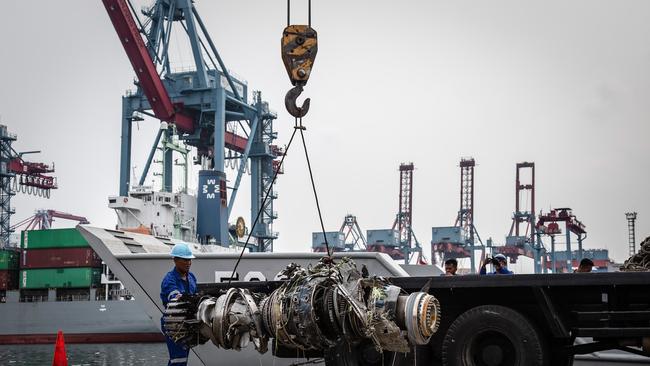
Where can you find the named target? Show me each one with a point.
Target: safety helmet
(500, 257)
(182, 250)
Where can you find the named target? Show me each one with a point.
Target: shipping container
(52, 238)
(59, 277)
(59, 258)
(8, 259)
(8, 280)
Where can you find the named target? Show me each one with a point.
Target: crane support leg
(125, 151)
(219, 128)
(580, 253)
(212, 199)
(168, 162)
(569, 255)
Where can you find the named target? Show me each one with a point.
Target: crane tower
(465, 217)
(459, 241)
(404, 216)
(521, 237)
(631, 239)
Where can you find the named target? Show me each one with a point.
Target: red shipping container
(59, 258)
(8, 280)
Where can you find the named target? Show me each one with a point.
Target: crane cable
(313, 187)
(298, 126)
(259, 212)
(298, 113)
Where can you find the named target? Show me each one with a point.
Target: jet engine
(314, 309)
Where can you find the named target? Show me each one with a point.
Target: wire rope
(259, 212)
(313, 186)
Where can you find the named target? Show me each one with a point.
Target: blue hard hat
(182, 250)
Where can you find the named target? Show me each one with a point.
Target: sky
(565, 84)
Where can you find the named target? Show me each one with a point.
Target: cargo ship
(53, 281)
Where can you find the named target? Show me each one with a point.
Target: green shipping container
(52, 238)
(59, 278)
(9, 259)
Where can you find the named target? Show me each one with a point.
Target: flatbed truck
(512, 320)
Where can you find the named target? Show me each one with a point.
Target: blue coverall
(173, 285)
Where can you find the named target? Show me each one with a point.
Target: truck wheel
(492, 335)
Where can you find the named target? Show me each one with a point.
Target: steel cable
(313, 186)
(266, 196)
(297, 126)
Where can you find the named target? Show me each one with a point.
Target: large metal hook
(290, 102)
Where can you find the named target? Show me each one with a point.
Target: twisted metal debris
(314, 309)
(640, 262)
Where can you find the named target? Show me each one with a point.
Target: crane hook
(290, 102)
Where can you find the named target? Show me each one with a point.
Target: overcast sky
(565, 84)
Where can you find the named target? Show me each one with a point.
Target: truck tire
(492, 335)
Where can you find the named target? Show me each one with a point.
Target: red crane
(32, 178)
(18, 175)
(522, 242)
(547, 224)
(43, 219)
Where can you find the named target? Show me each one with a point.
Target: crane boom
(145, 69)
(137, 52)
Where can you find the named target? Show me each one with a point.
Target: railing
(34, 298)
(85, 297)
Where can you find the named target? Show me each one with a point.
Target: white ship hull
(141, 261)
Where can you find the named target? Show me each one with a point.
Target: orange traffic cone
(60, 358)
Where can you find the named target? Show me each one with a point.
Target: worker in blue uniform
(500, 263)
(177, 282)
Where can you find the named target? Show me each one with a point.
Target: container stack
(57, 258)
(8, 269)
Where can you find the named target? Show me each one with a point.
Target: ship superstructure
(157, 213)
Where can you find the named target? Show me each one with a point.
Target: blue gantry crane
(202, 107)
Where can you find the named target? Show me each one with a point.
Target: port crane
(19, 175)
(400, 241)
(203, 107)
(43, 219)
(548, 224)
(459, 241)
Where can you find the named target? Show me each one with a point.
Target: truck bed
(603, 311)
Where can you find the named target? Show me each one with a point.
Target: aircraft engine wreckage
(313, 310)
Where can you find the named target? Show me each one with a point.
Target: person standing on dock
(177, 282)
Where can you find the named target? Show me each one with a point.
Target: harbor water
(128, 354)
